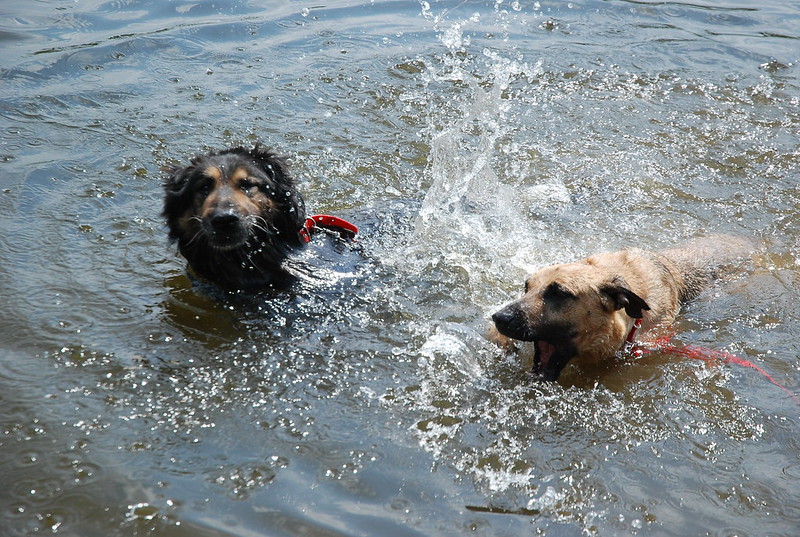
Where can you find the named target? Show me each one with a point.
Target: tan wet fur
(582, 312)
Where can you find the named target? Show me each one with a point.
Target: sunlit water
(471, 142)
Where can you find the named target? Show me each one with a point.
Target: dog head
(233, 210)
(571, 311)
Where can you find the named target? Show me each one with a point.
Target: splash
(477, 193)
(493, 194)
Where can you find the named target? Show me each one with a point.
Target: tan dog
(586, 310)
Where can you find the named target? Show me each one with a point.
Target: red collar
(343, 227)
(636, 324)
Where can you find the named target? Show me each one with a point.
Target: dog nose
(226, 220)
(510, 321)
(504, 317)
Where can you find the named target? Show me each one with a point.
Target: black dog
(236, 216)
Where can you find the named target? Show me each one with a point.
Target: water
(472, 142)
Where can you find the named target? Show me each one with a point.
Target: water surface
(472, 142)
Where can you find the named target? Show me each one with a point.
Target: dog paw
(504, 342)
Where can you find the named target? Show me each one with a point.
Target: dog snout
(510, 321)
(226, 229)
(224, 221)
(505, 316)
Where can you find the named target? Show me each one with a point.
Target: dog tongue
(545, 352)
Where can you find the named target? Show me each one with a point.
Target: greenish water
(471, 142)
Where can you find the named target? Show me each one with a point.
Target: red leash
(700, 353)
(708, 355)
(340, 225)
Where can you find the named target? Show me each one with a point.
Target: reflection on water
(471, 142)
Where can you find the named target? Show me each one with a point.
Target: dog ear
(176, 178)
(622, 297)
(273, 165)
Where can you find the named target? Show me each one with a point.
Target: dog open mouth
(542, 358)
(550, 359)
(551, 355)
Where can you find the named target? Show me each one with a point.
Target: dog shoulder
(703, 260)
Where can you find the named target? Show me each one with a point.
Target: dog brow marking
(239, 174)
(213, 172)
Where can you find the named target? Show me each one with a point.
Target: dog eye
(555, 291)
(204, 189)
(248, 186)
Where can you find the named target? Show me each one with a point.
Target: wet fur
(584, 311)
(235, 215)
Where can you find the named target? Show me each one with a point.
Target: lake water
(472, 142)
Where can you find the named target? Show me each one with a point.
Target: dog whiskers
(256, 227)
(262, 224)
(196, 238)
